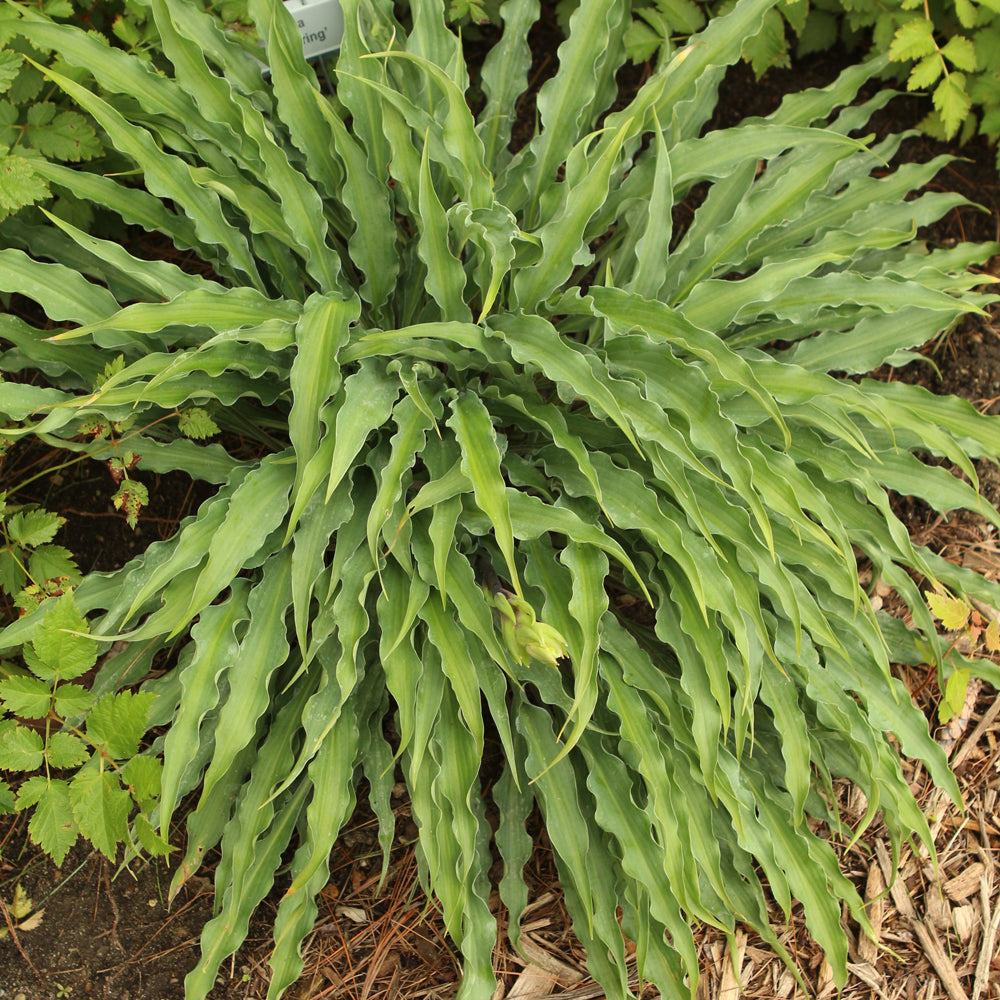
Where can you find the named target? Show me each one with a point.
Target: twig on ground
(926, 934)
(17, 943)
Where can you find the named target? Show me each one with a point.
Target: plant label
(321, 24)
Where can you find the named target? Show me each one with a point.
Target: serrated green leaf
(8, 124)
(961, 53)
(10, 65)
(641, 41)
(967, 13)
(27, 84)
(925, 72)
(126, 30)
(194, 422)
(65, 750)
(55, 649)
(12, 570)
(67, 136)
(101, 808)
(952, 101)
(152, 843)
(20, 184)
(27, 697)
(142, 776)
(118, 722)
(31, 791)
(796, 13)
(52, 562)
(41, 113)
(6, 798)
(913, 40)
(52, 826)
(34, 527)
(768, 47)
(819, 33)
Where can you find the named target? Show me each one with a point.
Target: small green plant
(949, 48)
(110, 780)
(493, 391)
(476, 11)
(947, 70)
(31, 567)
(657, 28)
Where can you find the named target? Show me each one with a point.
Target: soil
(86, 930)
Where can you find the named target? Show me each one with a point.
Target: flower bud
(523, 635)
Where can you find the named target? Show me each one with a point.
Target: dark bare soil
(109, 934)
(101, 934)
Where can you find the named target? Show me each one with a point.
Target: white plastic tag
(321, 24)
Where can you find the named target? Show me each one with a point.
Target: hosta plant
(545, 460)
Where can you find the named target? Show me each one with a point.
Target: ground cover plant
(538, 469)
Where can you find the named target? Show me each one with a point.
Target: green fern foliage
(497, 388)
